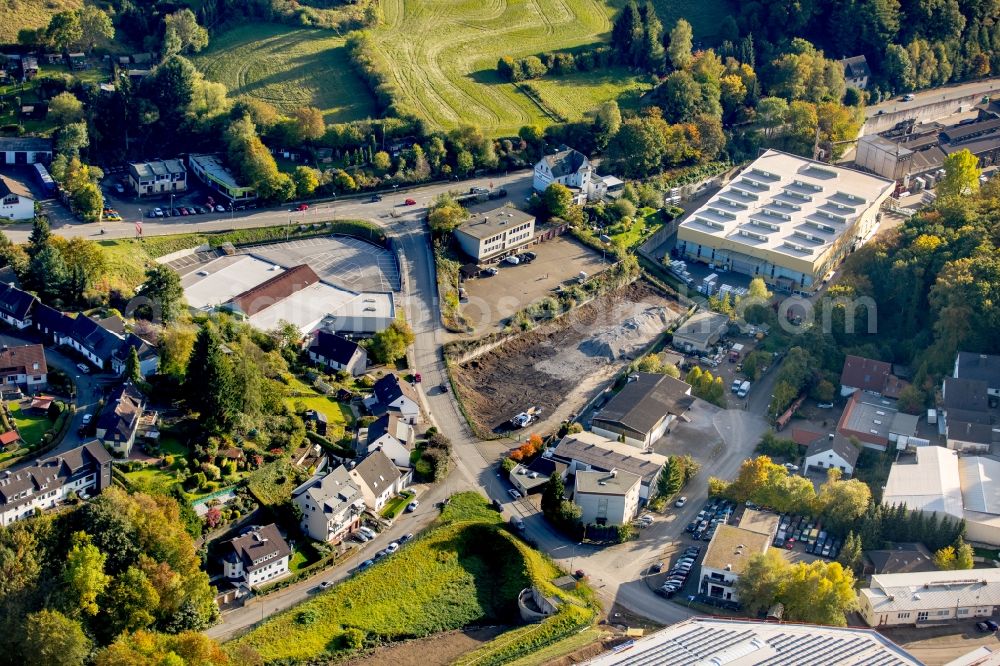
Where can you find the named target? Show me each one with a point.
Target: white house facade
(16, 202)
(331, 505)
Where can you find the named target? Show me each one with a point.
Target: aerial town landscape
(427, 332)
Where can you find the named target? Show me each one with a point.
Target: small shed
(10, 440)
(468, 271)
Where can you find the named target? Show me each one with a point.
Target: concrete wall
(922, 113)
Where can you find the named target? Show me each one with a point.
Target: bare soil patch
(561, 365)
(436, 650)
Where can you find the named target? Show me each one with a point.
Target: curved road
(614, 572)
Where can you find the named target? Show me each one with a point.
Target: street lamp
(171, 203)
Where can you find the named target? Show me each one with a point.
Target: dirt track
(560, 365)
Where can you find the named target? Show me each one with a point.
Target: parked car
(367, 531)
(514, 494)
(412, 506)
(380, 554)
(326, 585)
(410, 202)
(392, 548)
(417, 378)
(302, 207)
(681, 502)
(87, 418)
(983, 627)
(376, 197)
(158, 212)
(366, 564)
(498, 505)
(791, 468)
(489, 272)
(517, 523)
(691, 527)
(82, 367)
(406, 537)
(656, 567)
(992, 625)
(512, 260)
(219, 208)
(825, 405)
(362, 537)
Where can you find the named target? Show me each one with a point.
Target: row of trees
(59, 270)
(817, 592)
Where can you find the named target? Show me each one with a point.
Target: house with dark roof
(832, 452)
(379, 480)
(965, 415)
(532, 478)
(25, 150)
(93, 341)
(393, 395)
(392, 435)
(338, 353)
(644, 410)
(51, 324)
(567, 167)
(870, 376)
(16, 200)
(856, 72)
(982, 367)
(16, 306)
(85, 471)
(585, 451)
(157, 177)
(118, 423)
(24, 366)
(259, 555)
(898, 558)
(149, 359)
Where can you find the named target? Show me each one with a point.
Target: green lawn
(31, 425)
(572, 95)
(303, 554)
(289, 68)
(338, 415)
(395, 506)
(18, 14)
(642, 226)
(467, 570)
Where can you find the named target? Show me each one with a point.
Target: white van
(744, 389)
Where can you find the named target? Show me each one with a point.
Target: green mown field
(19, 14)
(289, 68)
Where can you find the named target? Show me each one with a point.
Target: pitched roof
(25, 143)
(120, 417)
(837, 444)
(94, 337)
(50, 318)
(603, 454)
(9, 437)
(331, 492)
(804, 437)
(392, 425)
(643, 403)
(856, 67)
(565, 162)
(23, 360)
(901, 558)
(377, 471)
(14, 302)
(20, 486)
(932, 590)
(865, 374)
(334, 347)
(144, 349)
(260, 547)
(968, 395)
(10, 186)
(390, 388)
(269, 292)
(984, 367)
(147, 170)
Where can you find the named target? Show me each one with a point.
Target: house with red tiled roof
(865, 374)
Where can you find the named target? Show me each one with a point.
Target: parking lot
(341, 260)
(559, 261)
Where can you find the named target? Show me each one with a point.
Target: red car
(410, 202)
(417, 378)
(302, 207)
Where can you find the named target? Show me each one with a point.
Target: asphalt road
(982, 87)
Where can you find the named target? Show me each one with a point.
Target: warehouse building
(494, 234)
(929, 597)
(786, 219)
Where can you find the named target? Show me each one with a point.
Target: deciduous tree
(83, 575)
(961, 175)
(52, 638)
(163, 288)
(679, 47)
(65, 108)
(183, 33)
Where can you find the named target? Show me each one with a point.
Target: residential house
(15, 306)
(149, 359)
(607, 498)
(491, 235)
(981, 367)
(25, 150)
(118, 423)
(567, 167)
(331, 505)
(338, 353)
(701, 331)
(965, 412)
(211, 171)
(726, 559)
(24, 366)
(898, 558)
(929, 597)
(856, 72)
(390, 394)
(643, 411)
(95, 342)
(832, 452)
(587, 451)
(870, 376)
(85, 471)
(16, 200)
(393, 436)
(258, 556)
(531, 478)
(157, 177)
(51, 324)
(379, 480)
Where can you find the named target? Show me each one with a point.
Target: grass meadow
(289, 68)
(18, 14)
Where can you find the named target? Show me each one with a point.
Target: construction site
(558, 367)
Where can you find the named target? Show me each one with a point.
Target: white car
(392, 548)
(82, 367)
(514, 494)
(87, 418)
(681, 502)
(219, 208)
(512, 260)
(791, 468)
(158, 212)
(412, 506)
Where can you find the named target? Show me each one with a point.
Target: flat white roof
(307, 307)
(788, 204)
(928, 590)
(932, 484)
(226, 277)
(703, 641)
